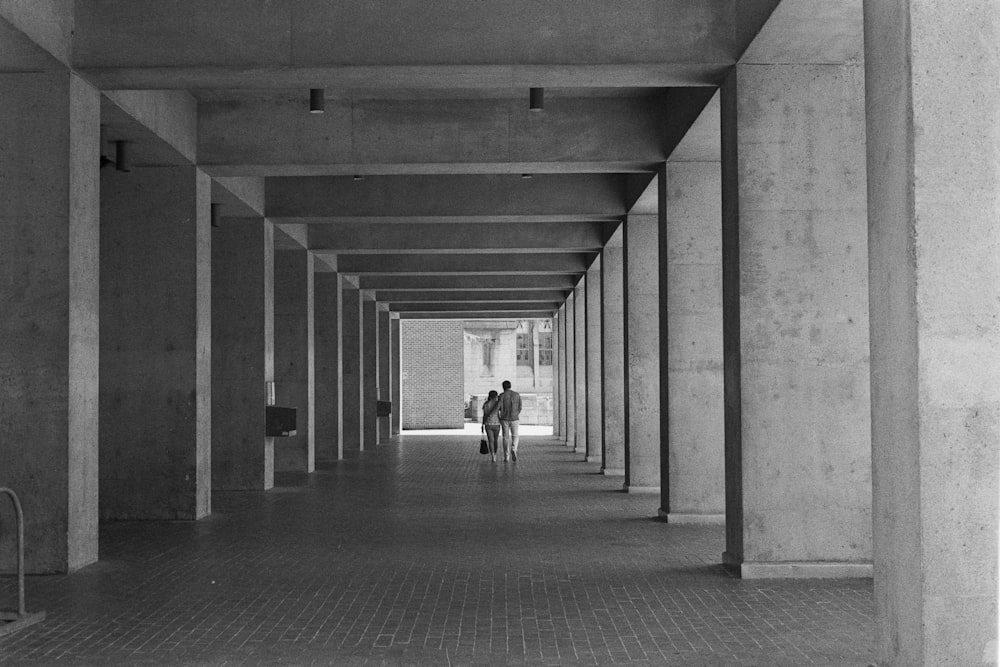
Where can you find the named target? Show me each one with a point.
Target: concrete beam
(48, 24)
(479, 315)
(465, 306)
(264, 37)
(419, 296)
(469, 281)
(583, 195)
(171, 115)
(246, 191)
(254, 132)
(450, 237)
(810, 32)
(521, 263)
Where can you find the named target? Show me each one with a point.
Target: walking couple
(501, 412)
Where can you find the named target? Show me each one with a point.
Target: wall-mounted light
(536, 99)
(216, 214)
(123, 156)
(317, 100)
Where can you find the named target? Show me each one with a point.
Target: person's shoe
(494, 459)
(505, 459)
(513, 456)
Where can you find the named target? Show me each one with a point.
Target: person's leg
(505, 426)
(492, 435)
(513, 440)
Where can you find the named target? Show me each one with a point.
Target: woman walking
(491, 422)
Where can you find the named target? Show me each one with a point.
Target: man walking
(510, 410)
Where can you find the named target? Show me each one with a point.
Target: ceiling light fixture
(536, 99)
(526, 176)
(359, 177)
(317, 100)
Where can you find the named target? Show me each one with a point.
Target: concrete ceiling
(413, 177)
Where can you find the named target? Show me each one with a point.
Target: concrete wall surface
(328, 302)
(294, 357)
(934, 199)
(49, 209)
(351, 358)
(795, 137)
(613, 362)
(696, 431)
(155, 378)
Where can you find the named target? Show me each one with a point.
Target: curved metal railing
(11, 621)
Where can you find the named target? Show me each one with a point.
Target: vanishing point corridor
(422, 552)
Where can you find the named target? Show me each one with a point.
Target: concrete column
(570, 358)
(242, 353)
(642, 351)
(384, 370)
(934, 265)
(560, 354)
(613, 351)
(156, 343)
(351, 356)
(294, 357)
(396, 419)
(795, 318)
(49, 211)
(328, 303)
(696, 432)
(556, 396)
(595, 402)
(369, 369)
(580, 362)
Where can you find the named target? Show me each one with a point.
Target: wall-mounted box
(279, 422)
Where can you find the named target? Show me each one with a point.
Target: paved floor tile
(423, 552)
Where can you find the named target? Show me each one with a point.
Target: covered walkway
(423, 552)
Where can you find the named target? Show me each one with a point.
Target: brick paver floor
(422, 552)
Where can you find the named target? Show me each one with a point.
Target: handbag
(484, 447)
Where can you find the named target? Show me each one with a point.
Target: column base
(798, 569)
(643, 490)
(613, 472)
(698, 519)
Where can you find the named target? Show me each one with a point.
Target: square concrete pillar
(396, 419)
(696, 428)
(933, 106)
(384, 369)
(580, 364)
(351, 356)
(369, 369)
(156, 344)
(795, 318)
(294, 357)
(642, 352)
(242, 353)
(569, 337)
(328, 302)
(556, 370)
(49, 211)
(595, 398)
(613, 354)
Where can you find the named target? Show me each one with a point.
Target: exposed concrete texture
(595, 398)
(396, 419)
(369, 369)
(48, 23)
(570, 357)
(49, 210)
(172, 115)
(351, 357)
(642, 353)
(794, 223)
(557, 427)
(294, 357)
(807, 31)
(934, 258)
(242, 353)
(580, 362)
(613, 362)
(384, 370)
(155, 378)
(329, 373)
(694, 306)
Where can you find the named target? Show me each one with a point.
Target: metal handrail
(21, 618)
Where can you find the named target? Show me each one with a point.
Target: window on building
(545, 349)
(488, 352)
(525, 351)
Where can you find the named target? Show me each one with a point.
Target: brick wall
(433, 374)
